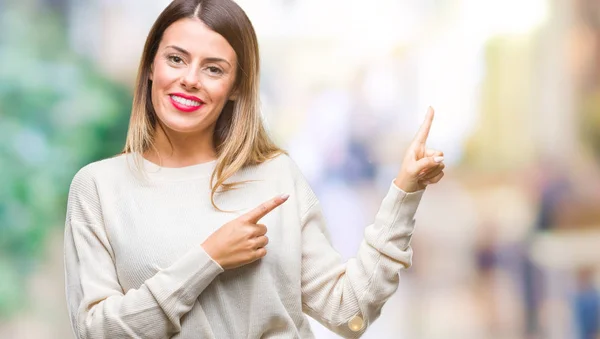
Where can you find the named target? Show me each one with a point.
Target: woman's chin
(180, 124)
(183, 128)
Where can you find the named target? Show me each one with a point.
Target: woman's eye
(215, 70)
(175, 59)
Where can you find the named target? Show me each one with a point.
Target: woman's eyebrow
(214, 59)
(179, 49)
(186, 53)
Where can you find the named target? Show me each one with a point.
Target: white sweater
(135, 267)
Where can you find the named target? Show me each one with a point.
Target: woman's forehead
(197, 39)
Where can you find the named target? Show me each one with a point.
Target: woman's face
(192, 76)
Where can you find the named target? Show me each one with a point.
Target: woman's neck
(181, 149)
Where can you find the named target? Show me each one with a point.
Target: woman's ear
(151, 73)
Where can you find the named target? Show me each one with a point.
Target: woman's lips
(185, 103)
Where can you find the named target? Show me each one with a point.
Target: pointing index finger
(263, 209)
(421, 137)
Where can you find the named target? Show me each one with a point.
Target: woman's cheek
(214, 88)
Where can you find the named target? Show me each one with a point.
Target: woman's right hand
(242, 240)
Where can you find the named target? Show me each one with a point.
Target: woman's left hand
(421, 166)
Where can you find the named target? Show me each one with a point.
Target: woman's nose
(191, 80)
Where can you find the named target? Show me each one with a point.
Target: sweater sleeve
(97, 305)
(347, 297)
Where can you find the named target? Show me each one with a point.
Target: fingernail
(284, 196)
(427, 182)
(438, 159)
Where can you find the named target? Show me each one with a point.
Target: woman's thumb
(428, 162)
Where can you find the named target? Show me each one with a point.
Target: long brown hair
(240, 138)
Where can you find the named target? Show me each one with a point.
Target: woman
(203, 228)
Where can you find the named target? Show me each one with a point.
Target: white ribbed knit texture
(134, 266)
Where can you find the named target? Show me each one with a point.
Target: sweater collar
(158, 172)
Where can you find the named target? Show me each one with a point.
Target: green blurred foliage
(57, 113)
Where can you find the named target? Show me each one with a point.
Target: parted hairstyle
(239, 137)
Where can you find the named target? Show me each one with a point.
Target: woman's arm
(98, 308)
(347, 297)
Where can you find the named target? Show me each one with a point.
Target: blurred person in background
(586, 305)
(169, 239)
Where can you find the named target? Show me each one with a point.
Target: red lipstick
(185, 103)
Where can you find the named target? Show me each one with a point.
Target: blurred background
(506, 246)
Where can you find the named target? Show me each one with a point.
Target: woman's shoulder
(84, 192)
(281, 165)
(284, 169)
(104, 168)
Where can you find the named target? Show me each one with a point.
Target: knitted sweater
(134, 266)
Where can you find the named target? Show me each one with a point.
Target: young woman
(203, 228)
